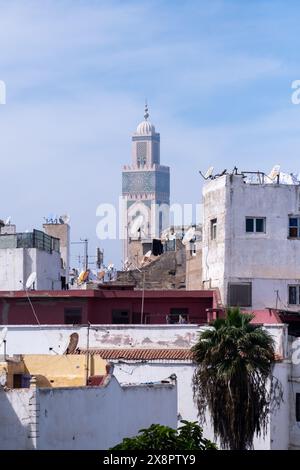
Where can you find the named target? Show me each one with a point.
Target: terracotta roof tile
(142, 354)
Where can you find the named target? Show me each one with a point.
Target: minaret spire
(146, 115)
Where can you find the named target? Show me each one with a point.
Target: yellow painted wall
(56, 371)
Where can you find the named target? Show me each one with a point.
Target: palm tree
(234, 364)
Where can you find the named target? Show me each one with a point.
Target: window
(73, 316)
(213, 229)
(240, 294)
(294, 295)
(255, 224)
(178, 315)
(294, 227)
(297, 407)
(120, 317)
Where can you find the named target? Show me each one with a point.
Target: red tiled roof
(266, 316)
(142, 354)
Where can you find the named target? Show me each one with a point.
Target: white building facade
(24, 253)
(83, 418)
(251, 242)
(150, 353)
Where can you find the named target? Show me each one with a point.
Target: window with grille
(294, 227)
(294, 294)
(240, 294)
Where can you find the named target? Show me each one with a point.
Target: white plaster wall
(130, 372)
(18, 263)
(15, 419)
(280, 417)
(98, 418)
(278, 428)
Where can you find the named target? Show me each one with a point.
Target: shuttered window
(240, 294)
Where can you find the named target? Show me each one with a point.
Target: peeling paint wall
(26, 339)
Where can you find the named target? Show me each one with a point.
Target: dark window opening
(297, 407)
(17, 380)
(157, 247)
(73, 316)
(240, 295)
(120, 317)
(294, 227)
(213, 229)
(178, 315)
(294, 295)
(255, 224)
(249, 225)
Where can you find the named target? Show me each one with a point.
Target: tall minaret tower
(146, 190)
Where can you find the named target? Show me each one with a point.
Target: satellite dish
(73, 342)
(189, 235)
(64, 219)
(148, 254)
(3, 334)
(209, 172)
(31, 280)
(7, 221)
(274, 172)
(110, 266)
(136, 225)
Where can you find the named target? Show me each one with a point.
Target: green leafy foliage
(158, 437)
(234, 364)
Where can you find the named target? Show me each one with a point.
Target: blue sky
(217, 76)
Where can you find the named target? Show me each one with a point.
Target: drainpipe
(34, 413)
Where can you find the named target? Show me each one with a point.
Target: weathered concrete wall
(61, 231)
(84, 418)
(213, 251)
(167, 271)
(18, 263)
(269, 259)
(194, 269)
(25, 339)
(15, 419)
